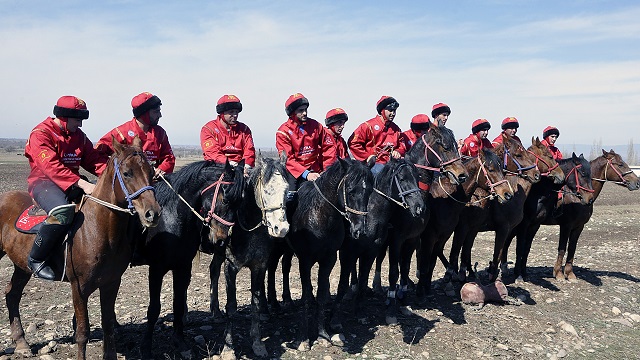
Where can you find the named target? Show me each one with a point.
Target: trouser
(292, 194)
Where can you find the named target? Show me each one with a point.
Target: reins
(401, 193)
(539, 158)
(520, 169)
(579, 187)
(492, 193)
(428, 148)
(344, 194)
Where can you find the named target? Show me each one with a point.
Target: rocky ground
(595, 317)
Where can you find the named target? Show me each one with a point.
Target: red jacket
(338, 142)
(372, 137)
(498, 139)
(306, 146)
(472, 145)
(57, 155)
(155, 143)
(219, 144)
(409, 138)
(557, 154)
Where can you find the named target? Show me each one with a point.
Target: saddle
(31, 219)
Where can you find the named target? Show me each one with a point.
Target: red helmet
(420, 122)
(550, 130)
(479, 125)
(510, 123)
(228, 102)
(386, 102)
(440, 108)
(335, 116)
(293, 102)
(71, 107)
(144, 102)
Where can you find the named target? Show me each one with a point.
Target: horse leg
(406, 253)
(214, 277)
(347, 266)
(153, 311)
(529, 235)
(562, 248)
(454, 255)
(272, 298)
(307, 299)
(504, 254)
(324, 294)
(13, 295)
(498, 247)
(82, 319)
(470, 238)
(571, 251)
(108, 294)
(257, 284)
(230, 273)
(377, 275)
(394, 264)
(181, 281)
(286, 270)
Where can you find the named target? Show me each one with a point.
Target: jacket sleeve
(357, 143)
(92, 160)
(401, 143)
(42, 150)
(283, 143)
(104, 145)
(465, 149)
(249, 150)
(166, 158)
(328, 148)
(210, 145)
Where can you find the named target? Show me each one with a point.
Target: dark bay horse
(485, 172)
(328, 208)
(261, 219)
(199, 203)
(576, 206)
(519, 166)
(396, 193)
(99, 246)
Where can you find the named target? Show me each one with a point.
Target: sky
(573, 64)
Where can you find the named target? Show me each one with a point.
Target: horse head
(354, 190)
(517, 160)
(611, 167)
(223, 198)
(398, 182)
(269, 183)
(578, 179)
(545, 162)
(437, 150)
(490, 177)
(134, 174)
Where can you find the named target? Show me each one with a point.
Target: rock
(49, 322)
(406, 310)
(622, 321)
(327, 357)
(337, 338)
(380, 356)
(616, 311)
(424, 354)
(49, 336)
(550, 330)
(568, 328)
(562, 353)
(47, 357)
(550, 300)
(635, 317)
(32, 328)
(502, 346)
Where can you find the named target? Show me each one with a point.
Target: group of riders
(57, 148)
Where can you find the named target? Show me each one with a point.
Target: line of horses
(413, 205)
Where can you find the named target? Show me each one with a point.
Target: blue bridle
(129, 197)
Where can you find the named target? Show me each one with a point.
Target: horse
(98, 248)
(261, 219)
(584, 182)
(395, 194)
(328, 208)
(521, 171)
(198, 188)
(485, 172)
(435, 153)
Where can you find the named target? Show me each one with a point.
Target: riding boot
(46, 239)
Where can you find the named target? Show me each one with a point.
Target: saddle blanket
(30, 221)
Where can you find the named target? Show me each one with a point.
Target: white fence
(636, 169)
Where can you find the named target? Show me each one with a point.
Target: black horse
(396, 193)
(261, 219)
(199, 189)
(328, 208)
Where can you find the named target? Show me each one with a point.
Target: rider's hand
(86, 186)
(395, 154)
(156, 175)
(313, 176)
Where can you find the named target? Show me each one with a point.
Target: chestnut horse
(99, 246)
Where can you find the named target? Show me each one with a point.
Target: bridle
(131, 210)
(491, 185)
(347, 209)
(441, 166)
(579, 187)
(211, 213)
(401, 193)
(520, 169)
(540, 159)
(623, 182)
(261, 205)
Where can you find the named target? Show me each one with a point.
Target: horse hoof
(337, 340)
(304, 346)
(519, 279)
(391, 320)
(259, 349)
(227, 354)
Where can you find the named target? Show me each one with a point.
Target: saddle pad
(30, 220)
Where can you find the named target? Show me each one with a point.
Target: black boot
(46, 239)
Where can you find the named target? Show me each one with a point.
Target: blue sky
(572, 64)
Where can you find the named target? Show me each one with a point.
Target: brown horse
(99, 246)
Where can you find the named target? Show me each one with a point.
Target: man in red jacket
(550, 136)
(478, 138)
(225, 138)
(379, 138)
(419, 125)
(304, 142)
(335, 120)
(155, 143)
(509, 127)
(56, 150)
(440, 114)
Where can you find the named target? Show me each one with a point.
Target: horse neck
(470, 186)
(249, 208)
(598, 167)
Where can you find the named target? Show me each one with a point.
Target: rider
(550, 136)
(56, 150)
(440, 114)
(378, 138)
(509, 127)
(225, 138)
(419, 125)
(144, 124)
(478, 138)
(304, 142)
(335, 120)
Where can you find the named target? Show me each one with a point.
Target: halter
(623, 181)
(492, 193)
(520, 171)
(539, 158)
(401, 193)
(263, 208)
(128, 197)
(579, 187)
(425, 186)
(211, 214)
(344, 194)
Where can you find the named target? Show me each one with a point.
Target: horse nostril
(462, 178)
(150, 215)
(507, 196)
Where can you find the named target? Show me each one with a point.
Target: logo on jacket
(376, 127)
(44, 155)
(131, 133)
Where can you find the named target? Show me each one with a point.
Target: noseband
(539, 158)
(491, 185)
(127, 196)
(520, 170)
(401, 193)
(621, 175)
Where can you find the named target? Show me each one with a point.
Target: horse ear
(137, 142)
(117, 147)
(574, 157)
(259, 159)
(370, 162)
(604, 152)
(535, 141)
(283, 157)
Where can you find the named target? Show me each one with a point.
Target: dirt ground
(595, 317)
